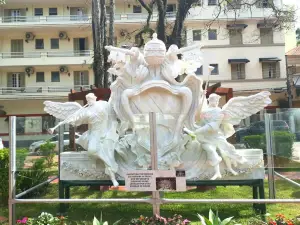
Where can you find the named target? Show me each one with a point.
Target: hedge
(282, 142)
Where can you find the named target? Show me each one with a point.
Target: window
(81, 78)
(54, 43)
(196, 35)
(55, 76)
(238, 71)
(40, 77)
(199, 71)
(212, 2)
(236, 37)
(171, 8)
(234, 4)
(38, 11)
(270, 70)
(137, 9)
(39, 43)
(266, 36)
(215, 71)
(212, 35)
(264, 3)
(52, 11)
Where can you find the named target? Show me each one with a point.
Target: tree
(99, 40)
(281, 17)
(2, 2)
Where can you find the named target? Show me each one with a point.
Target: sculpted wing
(61, 110)
(242, 107)
(192, 60)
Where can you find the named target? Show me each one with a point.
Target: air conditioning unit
(62, 35)
(29, 70)
(63, 69)
(29, 36)
(123, 33)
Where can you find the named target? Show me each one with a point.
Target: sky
(297, 4)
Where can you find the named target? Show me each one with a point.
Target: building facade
(46, 48)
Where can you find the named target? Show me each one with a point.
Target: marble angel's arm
(212, 126)
(122, 50)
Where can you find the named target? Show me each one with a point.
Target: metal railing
(77, 18)
(6, 55)
(40, 89)
(69, 53)
(24, 19)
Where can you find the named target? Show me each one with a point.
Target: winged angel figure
(216, 125)
(101, 138)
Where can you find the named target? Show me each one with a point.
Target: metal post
(288, 84)
(61, 191)
(153, 149)
(12, 169)
(270, 159)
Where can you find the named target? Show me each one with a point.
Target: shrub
(26, 178)
(4, 163)
(158, 220)
(31, 177)
(47, 150)
(282, 142)
(213, 219)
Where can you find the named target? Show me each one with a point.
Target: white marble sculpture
(146, 83)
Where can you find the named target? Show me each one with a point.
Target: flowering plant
(43, 219)
(280, 220)
(158, 220)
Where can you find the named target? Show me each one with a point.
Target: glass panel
(212, 35)
(40, 77)
(39, 43)
(55, 77)
(52, 11)
(196, 35)
(38, 11)
(54, 43)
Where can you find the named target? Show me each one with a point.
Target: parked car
(1, 144)
(258, 128)
(35, 146)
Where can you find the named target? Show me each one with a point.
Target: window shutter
(233, 72)
(9, 79)
(76, 78)
(277, 70)
(85, 80)
(265, 70)
(22, 79)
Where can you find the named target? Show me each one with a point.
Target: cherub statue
(216, 125)
(191, 59)
(135, 68)
(101, 138)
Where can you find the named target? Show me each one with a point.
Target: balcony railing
(40, 89)
(77, 18)
(83, 53)
(38, 19)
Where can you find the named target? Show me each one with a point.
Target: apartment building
(46, 48)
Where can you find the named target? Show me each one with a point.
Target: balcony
(46, 58)
(41, 90)
(8, 21)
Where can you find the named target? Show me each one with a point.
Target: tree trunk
(97, 38)
(111, 39)
(160, 29)
(105, 64)
(183, 8)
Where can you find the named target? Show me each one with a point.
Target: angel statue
(101, 139)
(216, 125)
(135, 68)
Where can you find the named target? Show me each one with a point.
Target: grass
(113, 212)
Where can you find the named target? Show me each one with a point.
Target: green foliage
(213, 219)
(2, 2)
(282, 142)
(47, 150)
(33, 176)
(4, 167)
(44, 219)
(97, 222)
(158, 220)
(26, 177)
